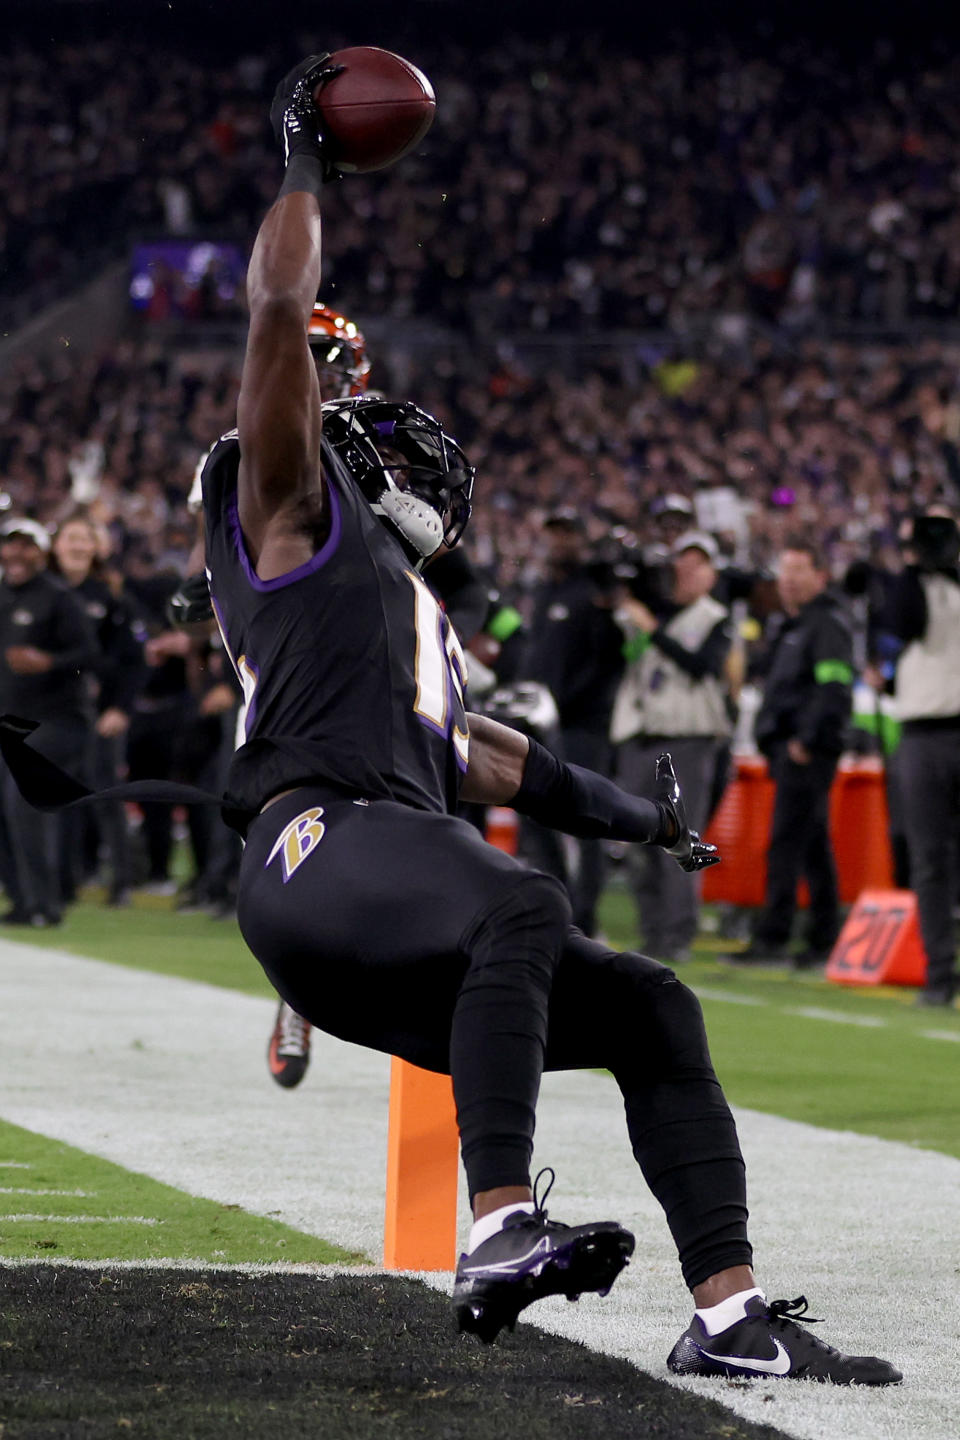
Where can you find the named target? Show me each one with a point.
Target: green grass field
(56, 1200)
(792, 1045)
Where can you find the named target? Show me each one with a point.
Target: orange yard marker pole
(423, 1160)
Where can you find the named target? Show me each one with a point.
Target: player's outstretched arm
(278, 411)
(507, 768)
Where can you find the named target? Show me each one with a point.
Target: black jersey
(351, 672)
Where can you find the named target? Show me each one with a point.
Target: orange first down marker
(423, 1160)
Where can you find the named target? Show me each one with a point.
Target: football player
(377, 913)
(339, 354)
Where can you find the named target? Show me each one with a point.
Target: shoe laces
(294, 1037)
(787, 1312)
(539, 1201)
(539, 1215)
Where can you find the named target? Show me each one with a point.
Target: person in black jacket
(574, 647)
(800, 728)
(47, 649)
(121, 673)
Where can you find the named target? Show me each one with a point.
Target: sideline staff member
(800, 728)
(926, 616)
(46, 646)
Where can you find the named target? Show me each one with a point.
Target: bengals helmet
(338, 347)
(413, 475)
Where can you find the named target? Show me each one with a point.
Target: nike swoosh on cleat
(779, 1365)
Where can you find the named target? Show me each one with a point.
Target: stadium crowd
(581, 185)
(838, 439)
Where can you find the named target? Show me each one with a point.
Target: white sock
(720, 1317)
(489, 1224)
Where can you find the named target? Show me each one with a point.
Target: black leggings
(403, 931)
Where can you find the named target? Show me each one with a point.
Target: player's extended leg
(633, 1016)
(405, 932)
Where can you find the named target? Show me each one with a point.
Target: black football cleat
(288, 1054)
(532, 1257)
(769, 1343)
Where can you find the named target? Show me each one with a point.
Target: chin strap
(416, 520)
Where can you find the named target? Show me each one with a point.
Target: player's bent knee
(670, 1012)
(533, 916)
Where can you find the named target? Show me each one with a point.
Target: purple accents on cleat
(532, 1257)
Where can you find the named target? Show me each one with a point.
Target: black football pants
(405, 932)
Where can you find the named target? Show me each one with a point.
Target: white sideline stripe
(84, 1219)
(819, 1012)
(14, 1165)
(706, 993)
(242, 1267)
(839, 1017)
(20, 1190)
(169, 1078)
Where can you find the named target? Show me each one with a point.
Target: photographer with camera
(573, 648)
(925, 615)
(673, 697)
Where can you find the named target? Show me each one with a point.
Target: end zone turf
(162, 1355)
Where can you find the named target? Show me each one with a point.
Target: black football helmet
(413, 474)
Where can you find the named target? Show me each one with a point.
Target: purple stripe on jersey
(442, 730)
(308, 567)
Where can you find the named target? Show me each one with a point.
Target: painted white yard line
(14, 1165)
(838, 1017)
(22, 1190)
(169, 1078)
(708, 994)
(84, 1219)
(243, 1267)
(819, 1012)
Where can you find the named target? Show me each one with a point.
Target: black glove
(294, 116)
(690, 852)
(190, 603)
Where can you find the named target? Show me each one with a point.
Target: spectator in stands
(808, 682)
(925, 609)
(673, 697)
(48, 652)
(848, 215)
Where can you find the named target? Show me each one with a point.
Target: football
(376, 110)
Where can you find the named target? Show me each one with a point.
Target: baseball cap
(32, 529)
(564, 515)
(672, 504)
(697, 540)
